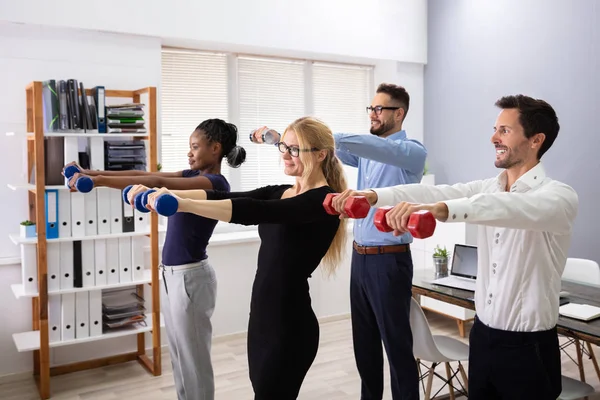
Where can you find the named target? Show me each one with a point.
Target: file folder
(128, 221)
(87, 263)
(68, 316)
(90, 209)
(71, 147)
(77, 266)
(125, 260)
(142, 220)
(112, 260)
(103, 207)
(29, 268)
(78, 214)
(53, 261)
(100, 262)
(66, 265)
(82, 315)
(116, 211)
(100, 108)
(64, 214)
(97, 153)
(95, 312)
(52, 214)
(137, 249)
(54, 318)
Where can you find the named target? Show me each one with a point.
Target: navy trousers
(380, 297)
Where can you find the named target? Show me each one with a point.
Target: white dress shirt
(523, 240)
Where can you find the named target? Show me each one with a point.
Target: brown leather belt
(400, 248)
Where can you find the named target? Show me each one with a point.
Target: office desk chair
(437, 350)
(573, 389)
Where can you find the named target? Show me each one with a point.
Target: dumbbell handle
(414, 229)
(354, 207)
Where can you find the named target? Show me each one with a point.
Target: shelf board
(81, 134)
(28, 186)
(29, 341)
(17, 239)
(19, 292)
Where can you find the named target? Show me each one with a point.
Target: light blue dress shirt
(381, 162)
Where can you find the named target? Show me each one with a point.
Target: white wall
(30, 52)
(379, 29)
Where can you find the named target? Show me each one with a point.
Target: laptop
(463, 271)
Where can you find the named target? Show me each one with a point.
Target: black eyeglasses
(379, 109)
(294, 151)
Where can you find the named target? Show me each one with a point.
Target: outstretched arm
(406, 154)
(91, 172)
(306, 207)
(549, 209)
(175, 182)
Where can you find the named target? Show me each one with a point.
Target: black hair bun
(236, 156)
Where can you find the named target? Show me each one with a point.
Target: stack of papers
(582, 312)
(122, 308)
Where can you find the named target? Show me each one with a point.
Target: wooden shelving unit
(37, 340)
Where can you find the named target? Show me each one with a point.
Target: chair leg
(579, 349)
(450, 387)
(461, 327)
(464, 376)
(430, 381)
(594, 360)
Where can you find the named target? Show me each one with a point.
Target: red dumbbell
(421, 224)
(355, 206)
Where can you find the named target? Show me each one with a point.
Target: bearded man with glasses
(382, 269)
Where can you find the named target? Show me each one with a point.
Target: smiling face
(388, 121)
(203, 153)
(293, 166)
(513, 148)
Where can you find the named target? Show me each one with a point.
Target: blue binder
(51, 214)
(99, 98)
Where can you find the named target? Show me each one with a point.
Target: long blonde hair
(313, 133)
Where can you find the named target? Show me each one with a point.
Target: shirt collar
(401, 134)
(529, 180)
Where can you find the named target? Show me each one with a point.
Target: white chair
(573, 389)
(586, 272)
(437, 350)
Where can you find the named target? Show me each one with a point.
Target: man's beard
(382, 129)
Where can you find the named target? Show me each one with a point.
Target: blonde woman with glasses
(297, 234)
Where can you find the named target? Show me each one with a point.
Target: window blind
(341, 93)
(193, 88)
(271, 93)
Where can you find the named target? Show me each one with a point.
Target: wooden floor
(333, 376)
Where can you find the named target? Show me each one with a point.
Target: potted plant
(158, 167)
(27, 229)
(428, 177)
(440, 261)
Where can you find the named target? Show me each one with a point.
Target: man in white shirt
(525, 223)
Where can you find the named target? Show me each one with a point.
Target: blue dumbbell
(125, 191)
(84, 184)
(141, 199)
(166, 205)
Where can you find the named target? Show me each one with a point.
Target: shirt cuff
(385, 197)
(459, 210)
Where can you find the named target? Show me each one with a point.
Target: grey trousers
(187, 302)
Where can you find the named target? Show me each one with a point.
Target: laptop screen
(464, 261)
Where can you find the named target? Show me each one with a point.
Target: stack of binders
(122, 308)
(126, 118)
